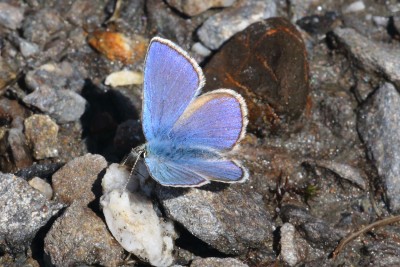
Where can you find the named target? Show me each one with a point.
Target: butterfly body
(188, 136)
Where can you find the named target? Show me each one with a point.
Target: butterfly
(189, 137)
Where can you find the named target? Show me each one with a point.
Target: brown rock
(117, 46)
(79, 237)
(75, 180)
(267, 64)
(41, 132)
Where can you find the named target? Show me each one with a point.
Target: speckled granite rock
(228, 219)
(79, 237)
(75, 181)
(24, 210)
(220, 27)
(379, 127)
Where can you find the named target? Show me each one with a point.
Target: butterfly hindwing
(169, 173)
(215, 120)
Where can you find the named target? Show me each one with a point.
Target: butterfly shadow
(167, 193)
(106, 111)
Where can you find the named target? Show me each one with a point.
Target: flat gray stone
(370, 56)
(222, 26)
(11, 16)
(230, 220)
(217, 262)
(379, 127)
(195, 7)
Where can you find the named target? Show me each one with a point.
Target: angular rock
(230, 220)
(267, 64)
(222, 26)
(19, 150)
(79, 237)
(11, 16)
(292, 251)
(379, 127)
(39, 25)
(62, 105)
(314, 230)
(24, 210)
(75, 181)
(57, 76)
(195, 7)
(41, 132)
(370, 56)
(27, 48)
(217, 262)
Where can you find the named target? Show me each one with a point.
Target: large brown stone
(267, 64)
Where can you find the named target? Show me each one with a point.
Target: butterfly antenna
(138, 154)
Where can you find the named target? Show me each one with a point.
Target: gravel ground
(321, 80)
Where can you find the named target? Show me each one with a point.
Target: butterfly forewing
(171, 81)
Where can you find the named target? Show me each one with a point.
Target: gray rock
(80, 237)
(18, 146)
(28, 49)
(379, 127)
(229, 219)
(62, 105)
(344, 171)
(289, 248)
(57, 76)
(195, 7)
(39, 26)
(220, 27)
(369, 56)
(314, 230)
(11, 16)
(76, 179)
(217, 262)
(41, 132)
(24, 210)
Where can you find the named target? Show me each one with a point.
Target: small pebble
(42, 186)
(124, 77)
(11, 16)
(41, 132)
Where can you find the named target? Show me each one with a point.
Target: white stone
(133, 222)
(124, 77)
(355, 7)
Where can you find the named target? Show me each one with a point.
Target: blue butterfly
(189, 137)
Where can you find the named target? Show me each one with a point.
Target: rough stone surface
(24, 210)
(41, 132)
(62, 105)
(228, 219)
(194, 7)
(39, 26)
(76, 180)
(369, 55)
(18, 145)
(217, 262)
(289, 251)
(11, 16)
(79, 237)
(378, 124)
(317, 231)
(220, 27)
